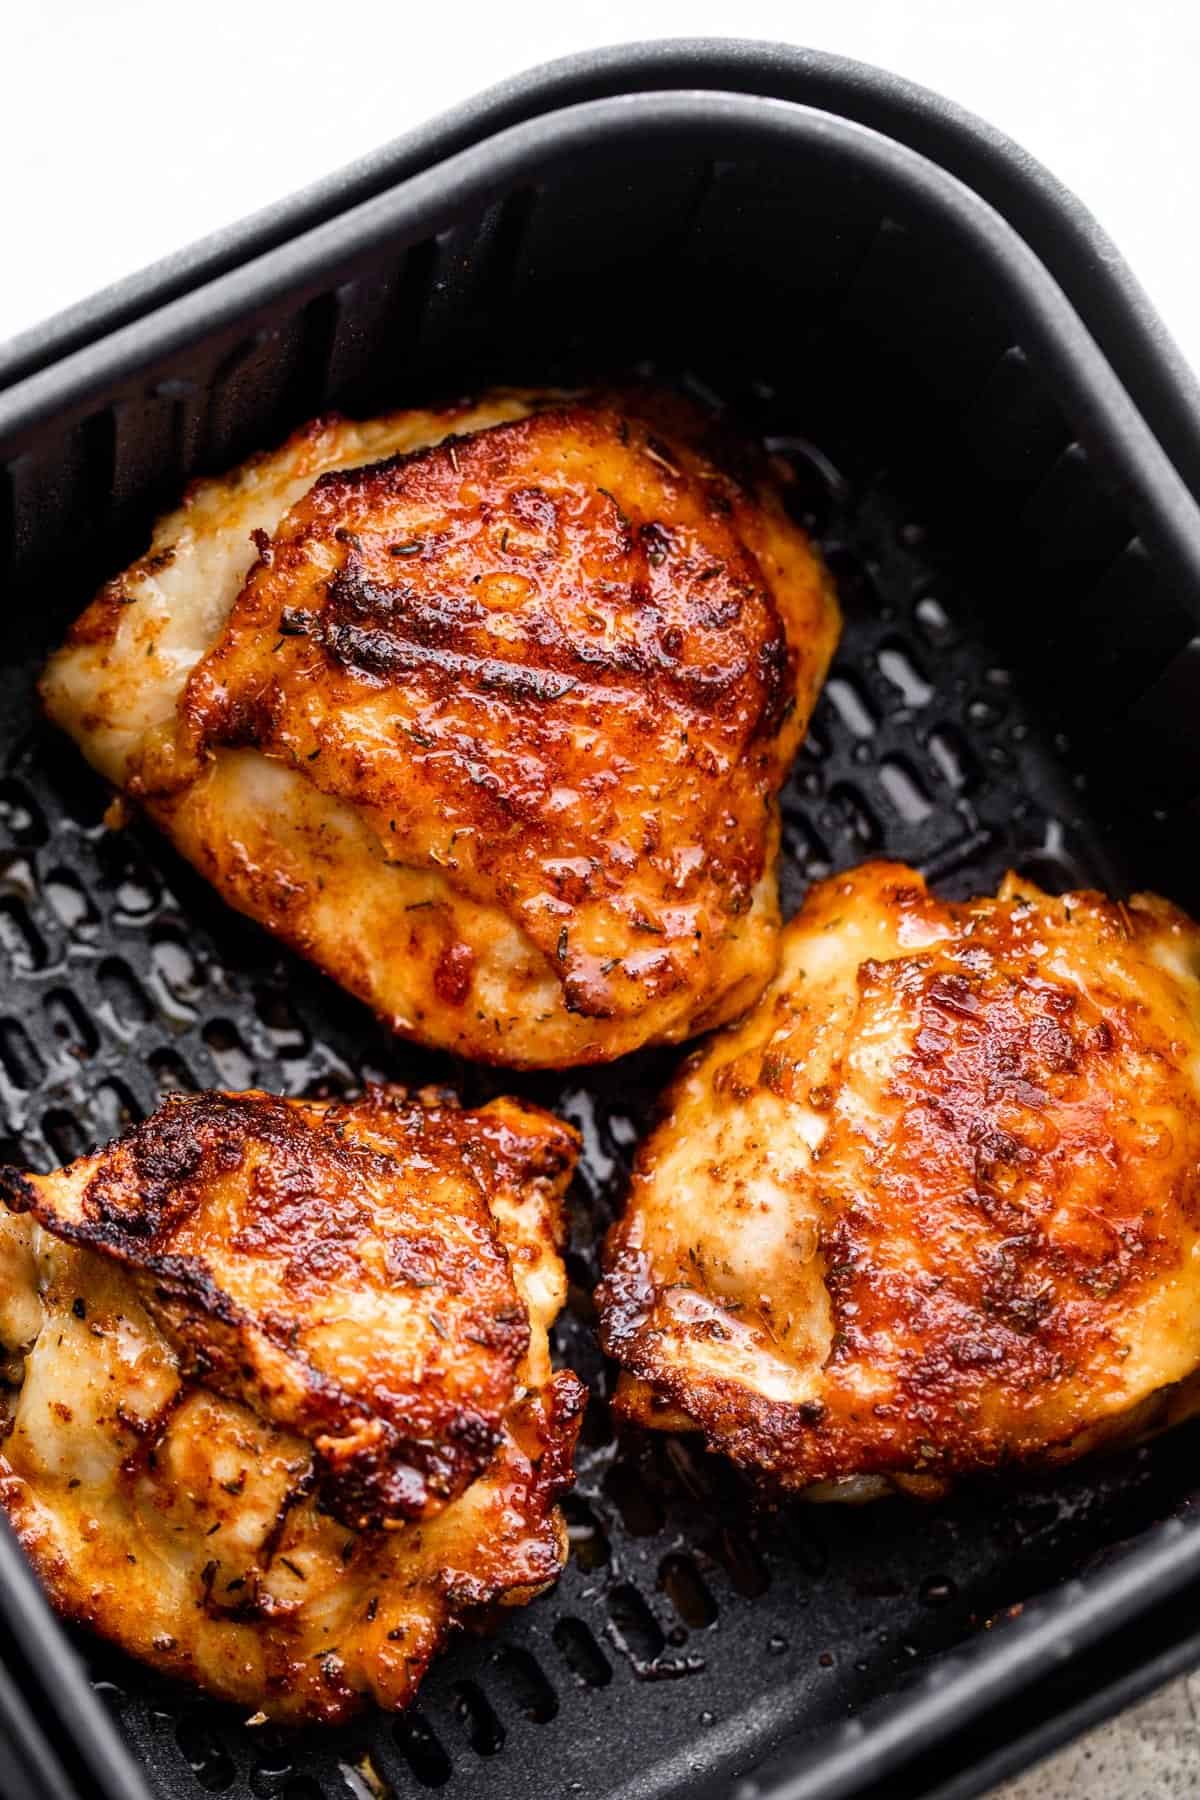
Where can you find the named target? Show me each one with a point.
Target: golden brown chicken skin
(279, 1402)
(934, 1205)
(493, 729)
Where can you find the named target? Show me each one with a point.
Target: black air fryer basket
(1018, 555)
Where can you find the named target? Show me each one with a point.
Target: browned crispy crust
(245, 1215)
(382, 1602)
(201, 1305)
(403, 589)
(988, 1255)
(552, 673)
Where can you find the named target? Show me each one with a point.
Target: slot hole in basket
(64, 1134)
(581, 1653)
(113, 1110)
(68, 785)
(476, 1715)
(70, 1024)
(687, 1591)
(952, 759)
(170, 1072)
(597, 1430)
(19, 1056)
(269, 1778)
(115, 1698)
(634, 1627)
(641, 1513)
(901, 672)
(70, 902)
(817, 491)
(1049, 873)
(134, 887)
(904, 791)
(855, 817)
(421, 1750)
(177, 966)
(1051, 864)
(287, 1035)
(850, 705)
(123, 993)
(21, 818)
(20, 943)
(741, 1561)
(803, 846)
(206, 1756)
(590, 1547)
(933, 621)
(688, 1470)
(274, 1764)
(581, 1279)
(856, 589)
(530, 1687)
(234, 1063)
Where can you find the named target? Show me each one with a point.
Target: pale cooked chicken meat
(279, 1403)
(485, 711)
(934, 1205)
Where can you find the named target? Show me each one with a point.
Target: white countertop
(131, 127)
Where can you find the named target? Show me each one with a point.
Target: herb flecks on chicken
(280, 1403)
(485, 711)
(933, 1206)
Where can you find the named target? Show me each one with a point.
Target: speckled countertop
(1150, 1752)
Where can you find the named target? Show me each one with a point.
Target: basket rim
(1056, 224)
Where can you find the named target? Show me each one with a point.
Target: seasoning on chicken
(934, 1205)
(279, 1404)
(492, 729)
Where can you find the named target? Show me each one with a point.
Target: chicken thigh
(278, 1400)
(485, 711)
(934, 1205)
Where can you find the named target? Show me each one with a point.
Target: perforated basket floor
(690, 1630)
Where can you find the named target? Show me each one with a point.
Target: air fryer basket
(1020, 572)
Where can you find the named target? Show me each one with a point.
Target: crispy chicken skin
(280, 1407)
(934, 1205)
(490, 725)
